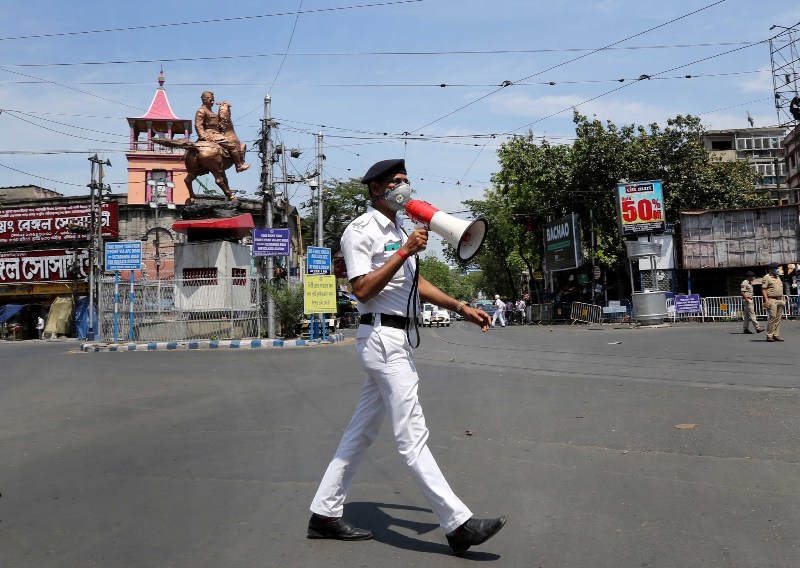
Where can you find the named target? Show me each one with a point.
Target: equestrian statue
(217, 147)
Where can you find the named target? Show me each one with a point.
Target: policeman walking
(772, 290)
(381, 267)
(748, 312)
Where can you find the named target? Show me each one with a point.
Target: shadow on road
(373, 516)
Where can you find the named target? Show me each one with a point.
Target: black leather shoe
(339, 529)
(748, 331)
(474, 532)
(776, 338)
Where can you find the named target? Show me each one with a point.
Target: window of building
(721, 145)
(165, 192)
(239, 276)
(200, 276)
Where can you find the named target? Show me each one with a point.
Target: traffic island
(210, 344)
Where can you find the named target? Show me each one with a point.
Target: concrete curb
(209, 344)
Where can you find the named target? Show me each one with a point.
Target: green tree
(538, 182)
(342, 202)
(289, 307)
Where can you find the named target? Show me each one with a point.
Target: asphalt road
(210, 458)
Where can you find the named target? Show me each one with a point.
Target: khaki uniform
(747, 304)
(772, 287)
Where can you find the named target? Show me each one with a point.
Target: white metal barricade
(586, 313)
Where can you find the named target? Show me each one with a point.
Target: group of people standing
(515, 312)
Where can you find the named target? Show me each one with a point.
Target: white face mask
(397, 197)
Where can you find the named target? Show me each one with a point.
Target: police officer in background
(772, 290)
(381, 266)
(748, 312)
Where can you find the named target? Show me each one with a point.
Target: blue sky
(356, 69)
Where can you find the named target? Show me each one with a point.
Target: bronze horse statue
(207, 156)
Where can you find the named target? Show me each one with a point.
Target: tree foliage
(538, 182)
(449, 281)
(342, 202)
(289, 307)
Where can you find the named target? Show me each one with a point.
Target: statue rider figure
(206, 123)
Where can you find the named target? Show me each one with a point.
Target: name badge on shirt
(391, 246)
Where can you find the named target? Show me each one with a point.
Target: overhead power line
(211, 21)
(375, 53)
(398, 85)
(509, 83)
(40, 177)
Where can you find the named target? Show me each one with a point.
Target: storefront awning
(9, 311)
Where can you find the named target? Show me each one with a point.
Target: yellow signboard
(319, 294)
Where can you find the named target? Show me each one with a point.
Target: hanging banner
(562, 244)
(640, 208)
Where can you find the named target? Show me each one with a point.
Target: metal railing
(620, 312)
(586, 313)
(730, 308)
(181, 309)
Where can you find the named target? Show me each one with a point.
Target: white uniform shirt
(367, 243)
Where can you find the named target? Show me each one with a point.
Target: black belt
(388, 320)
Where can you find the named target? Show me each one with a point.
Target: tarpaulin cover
(9, 311)
(82, 317)
(58, 320)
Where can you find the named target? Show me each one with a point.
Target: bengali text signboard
(51, 223)
(43, 265)
(640, 208)
(319, 295)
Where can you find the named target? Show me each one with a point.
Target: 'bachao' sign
(562, 244)
(51, 223)
(640, 208)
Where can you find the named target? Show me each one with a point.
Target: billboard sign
(640, 208)
(51, 223)
(562, 244)
(43, 265)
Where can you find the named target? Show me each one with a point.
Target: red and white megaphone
(466, 236)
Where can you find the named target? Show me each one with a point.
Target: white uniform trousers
(390, 386)
(501, 315)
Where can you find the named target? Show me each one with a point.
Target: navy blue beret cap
(749, 273)
(774, 265)
(384, 168)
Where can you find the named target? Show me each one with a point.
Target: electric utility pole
(95, 236)
(268, 194)
(320, 185)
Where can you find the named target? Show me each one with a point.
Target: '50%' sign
(641, 207)
(641, 211)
